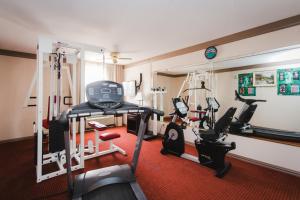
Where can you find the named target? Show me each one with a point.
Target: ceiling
(137, 28)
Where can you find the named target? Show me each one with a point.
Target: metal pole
(161, 103)
(183, 84)
(195, 93)
(74, 99)
(154, 121)
(59, 84)
(39, 113)
(51, 95)
(82, 99)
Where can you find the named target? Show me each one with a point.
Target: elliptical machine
(209, 143)
(241, 125)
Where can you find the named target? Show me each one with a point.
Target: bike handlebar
(247, 101)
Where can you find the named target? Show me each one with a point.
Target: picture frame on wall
(288, 81)
(245, 85)
(264, 78)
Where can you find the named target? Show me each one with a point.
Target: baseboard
(263, 164)
(16, 139)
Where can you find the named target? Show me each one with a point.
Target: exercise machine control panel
(105, 94)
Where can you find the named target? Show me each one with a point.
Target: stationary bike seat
(209, 134)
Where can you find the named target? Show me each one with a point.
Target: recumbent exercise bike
(210, 143)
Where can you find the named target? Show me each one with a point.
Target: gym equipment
(209, 143)
(242, 127)
(157, 92)
(57, 56)
(115, 182)
(191, 83)
(206, 117)
(93, 150)
(133, 120)
(100, 94)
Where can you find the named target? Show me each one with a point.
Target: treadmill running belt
(112, 192)
(276, 134)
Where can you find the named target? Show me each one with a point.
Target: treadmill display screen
(104, 91)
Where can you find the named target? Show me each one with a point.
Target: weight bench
(92, 150)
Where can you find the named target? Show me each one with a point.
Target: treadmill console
(105, 94)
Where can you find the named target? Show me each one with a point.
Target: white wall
(272, 153)
(172, 85)
(280, 155)
(133, 73)
(15, 78)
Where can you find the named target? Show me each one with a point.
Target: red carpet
(161, 177)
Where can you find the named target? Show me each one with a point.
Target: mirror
(270, 79)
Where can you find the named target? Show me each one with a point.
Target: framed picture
(288, 81)
(245, 85)
(264, 78)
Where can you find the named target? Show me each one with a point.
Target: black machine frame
(210, 143)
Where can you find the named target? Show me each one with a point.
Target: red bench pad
(109, 136)
(194, 119)
(97, 125)
(198, 111)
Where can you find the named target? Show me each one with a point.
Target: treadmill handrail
(247, 101)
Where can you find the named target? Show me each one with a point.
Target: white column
(39, 113)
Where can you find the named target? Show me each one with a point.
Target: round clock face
(211, 52)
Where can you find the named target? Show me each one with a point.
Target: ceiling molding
(257, 66)
(267, 28)
(170, 75)
(18, 54)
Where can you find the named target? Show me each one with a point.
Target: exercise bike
(241, 124)
(209, 143)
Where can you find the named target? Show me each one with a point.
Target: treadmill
(114, 182)
(242, 126)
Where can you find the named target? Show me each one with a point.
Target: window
(93, 72)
